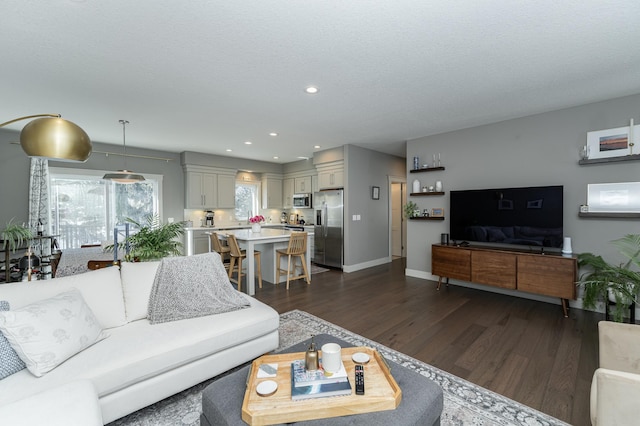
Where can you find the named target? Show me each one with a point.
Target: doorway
(397, 224)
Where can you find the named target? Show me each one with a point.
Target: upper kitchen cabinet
(331, 175)
(208, 187)
(271, 191)
(302, 184)
(288, 186)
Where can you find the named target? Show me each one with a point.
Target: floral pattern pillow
(10, 362)
(44, 334)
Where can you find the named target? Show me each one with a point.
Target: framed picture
(621, 197)
(437, 212)
(611, 142)
(375, 192)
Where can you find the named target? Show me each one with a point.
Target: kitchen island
(268, 240)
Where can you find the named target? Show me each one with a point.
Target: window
(247, 199)
(85, 208)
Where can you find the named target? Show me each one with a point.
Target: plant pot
(256, 227)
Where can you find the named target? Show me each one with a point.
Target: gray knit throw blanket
(192, 286)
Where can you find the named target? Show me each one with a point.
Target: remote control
(359, 380)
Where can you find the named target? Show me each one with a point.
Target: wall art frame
(375, 192)
(616, 142)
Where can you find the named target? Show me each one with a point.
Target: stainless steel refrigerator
(328, 230)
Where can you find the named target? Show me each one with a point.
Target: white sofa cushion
(101, 290)
(137, 281)
(46, 333)
(72, 404)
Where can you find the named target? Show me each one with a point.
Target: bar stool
(297, 248)
(238, 255)
(216, 245)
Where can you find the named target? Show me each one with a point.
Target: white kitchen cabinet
(208, 187)
(288, 186)
(302, 184)
(271, 192)
(331, 178)
(226, 191)
(201, 190)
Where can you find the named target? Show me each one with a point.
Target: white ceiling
(209, 75)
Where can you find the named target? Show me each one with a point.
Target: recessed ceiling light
(303, 158)
(273, 134)
(312, 90)
(247, 143)
(228, 150)
(276, 157)
(316, 146)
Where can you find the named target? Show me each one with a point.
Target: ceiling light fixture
(228, 150)
(316, 146)
(247, 143)
(53, 138)
(312, 90)
(124, 175)
(275, 157)
(273, 134)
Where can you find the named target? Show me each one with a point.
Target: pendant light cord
(124, 144)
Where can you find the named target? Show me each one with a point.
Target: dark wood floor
(522, 349)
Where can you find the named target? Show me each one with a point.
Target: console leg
(565, 307)
(439, 283)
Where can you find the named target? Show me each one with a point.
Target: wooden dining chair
(218, 247)
(237, 256)
(92, 265)
(296, 250)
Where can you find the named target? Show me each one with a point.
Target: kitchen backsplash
(226, 217)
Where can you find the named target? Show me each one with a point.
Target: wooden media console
(548, 274)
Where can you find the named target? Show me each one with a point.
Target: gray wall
(14, 175)
(367, 240)
(536, 150)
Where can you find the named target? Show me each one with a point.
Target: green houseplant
(604, 280)
(153, 240)
(15, 235)
(410, 209)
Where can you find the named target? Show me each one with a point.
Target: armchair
(615, 388)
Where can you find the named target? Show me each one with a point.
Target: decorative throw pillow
(192, 286)
(46, 333)
(10, 362)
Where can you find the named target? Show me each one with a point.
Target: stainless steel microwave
(302, 201)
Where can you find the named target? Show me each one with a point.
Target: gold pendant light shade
(55, 139)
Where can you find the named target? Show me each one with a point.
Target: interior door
(396, 220)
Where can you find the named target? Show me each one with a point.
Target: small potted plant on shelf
(410, 210)
(152, 241)
(606, 282)
(14, 235)
(256, 223)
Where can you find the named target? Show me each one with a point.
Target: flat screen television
(530, 216)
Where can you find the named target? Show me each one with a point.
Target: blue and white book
(318, 390)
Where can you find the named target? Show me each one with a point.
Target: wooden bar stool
(222, 250)
(237, 256)
(296, 250)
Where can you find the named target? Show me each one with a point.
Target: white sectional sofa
(140, 363)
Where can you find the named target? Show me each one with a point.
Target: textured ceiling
(207, 76)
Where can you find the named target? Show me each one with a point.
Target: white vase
(256, 227)
(416, 185)
(438, 186)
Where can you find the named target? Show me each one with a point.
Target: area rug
(464, 402)
(315, 269)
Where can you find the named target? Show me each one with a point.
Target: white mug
(331, 357)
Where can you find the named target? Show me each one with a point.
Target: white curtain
(39, 194)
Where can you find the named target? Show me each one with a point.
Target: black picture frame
(375, 192)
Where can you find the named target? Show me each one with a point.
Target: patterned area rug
(464, 402)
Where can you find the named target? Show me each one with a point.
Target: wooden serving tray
(381, 392)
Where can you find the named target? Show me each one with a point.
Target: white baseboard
(365, 265)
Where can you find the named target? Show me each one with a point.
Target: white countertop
(223, 227)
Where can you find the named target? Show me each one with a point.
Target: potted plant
(153, 240)
(410, 209)
(604, 281)
(15, 235)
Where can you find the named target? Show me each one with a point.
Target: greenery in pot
(410, 209)
(15, 235)
(153, 240)
(604, 279)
